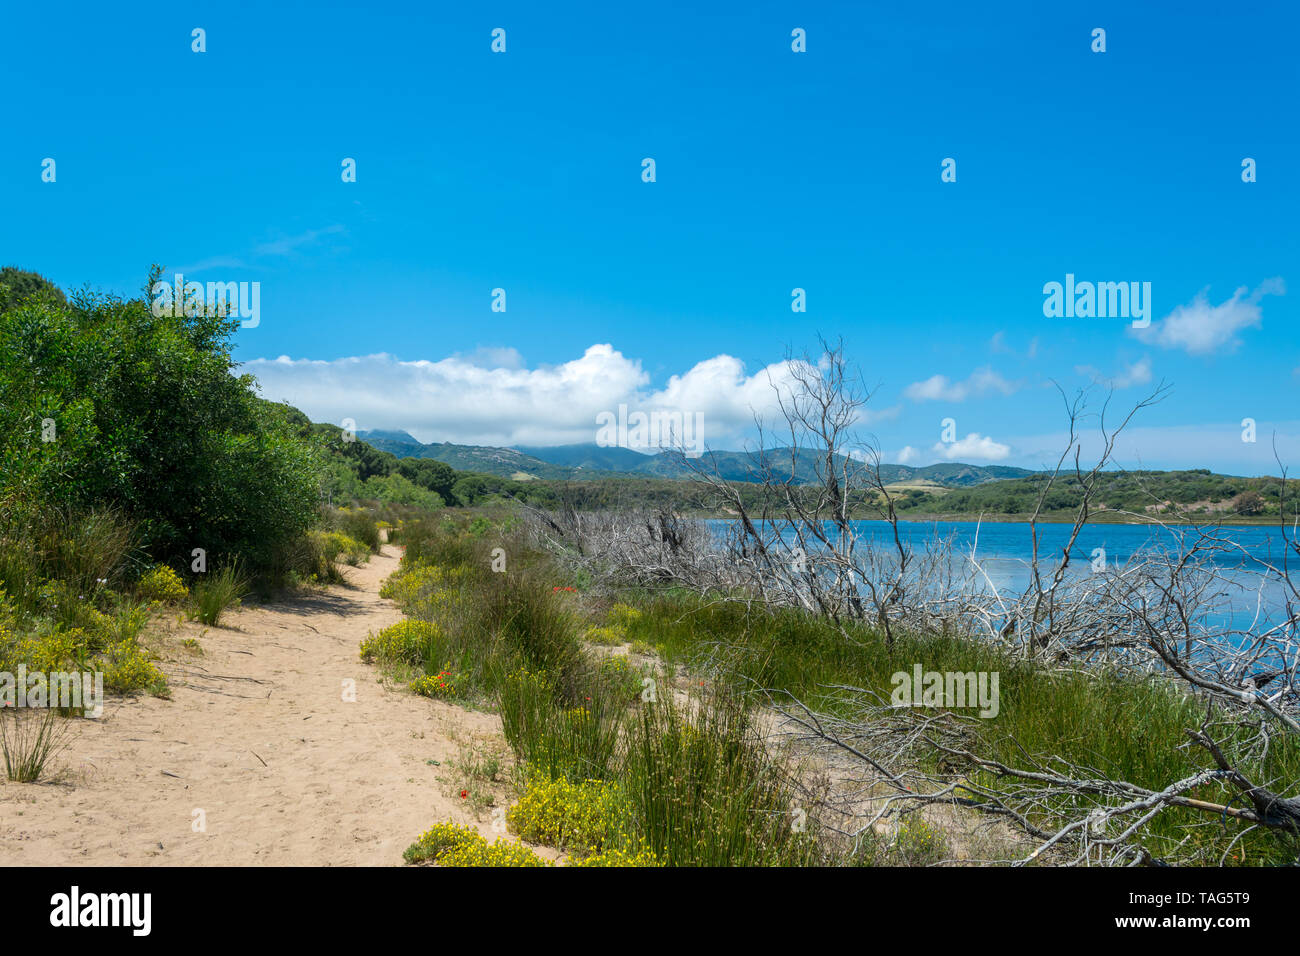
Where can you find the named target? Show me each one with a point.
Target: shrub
(155, 429)
(20, 576)
(87, 551)
(405, 642)
(450, 844)
(360, 526)
(128, 670)
(918, 843)
(424, 591)
(67, 605)
(618, 679)
(736, 809)
(582, 818)
(161, 584)
(336, 544)
(442, 685)
(50, 648)
(605, 635)
(124, 624)
(216, 593)
(623, 616)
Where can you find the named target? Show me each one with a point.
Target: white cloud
(274, 248)
(869, 416)
(486, 356)
(974, 447)
(489, 397)
(1138, 373)
(939, 387)
(907, 454)
(289, 244)
(998, 346)
(1200, 328)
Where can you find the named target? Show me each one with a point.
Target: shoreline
(1099, 518)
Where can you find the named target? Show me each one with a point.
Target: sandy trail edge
(286, 771)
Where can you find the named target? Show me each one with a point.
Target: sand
(257, 735)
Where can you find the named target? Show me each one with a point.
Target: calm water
(1004, 549)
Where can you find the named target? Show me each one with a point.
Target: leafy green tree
(104, 403)
(397, 489)
(18, 285)
(435, 476)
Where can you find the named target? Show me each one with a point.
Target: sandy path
(258, 736)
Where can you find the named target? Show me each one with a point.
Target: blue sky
(774, 170)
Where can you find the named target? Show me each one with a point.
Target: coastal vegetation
(667, 699)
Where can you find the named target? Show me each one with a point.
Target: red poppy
(464, 794)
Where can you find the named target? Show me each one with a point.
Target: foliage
(442, 685)
(128, 669)
(217, 592)
(449, 844)
(104, 404)
(161, 584)
(579, 817)
(19, 285)
(406, 642)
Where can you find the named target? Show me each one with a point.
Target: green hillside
(1152, 493)
(591, 461)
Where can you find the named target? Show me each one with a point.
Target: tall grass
(1124, 726)
(62, 559)
(705, 791)
(218, 592)
(701, 786)
(86, 550)
(29, 741)
(576, 743)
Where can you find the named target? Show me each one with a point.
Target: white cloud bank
(939, 388)
(974, 447)
(490, 398)
(1200, 328)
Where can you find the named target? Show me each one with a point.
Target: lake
(1005, 548)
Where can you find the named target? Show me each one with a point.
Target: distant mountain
(505, 462)
(953, 474)
(806, 465)
(590, 456)
(584, 461)
(404, 438)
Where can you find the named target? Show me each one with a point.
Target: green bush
(359, 525)
(161, 584)
(406, 642)
(104, 405)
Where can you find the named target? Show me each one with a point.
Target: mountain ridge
(589, 460)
